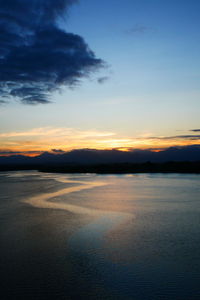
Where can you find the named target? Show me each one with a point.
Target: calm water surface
(99, 237)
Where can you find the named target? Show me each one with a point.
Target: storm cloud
(37, 56)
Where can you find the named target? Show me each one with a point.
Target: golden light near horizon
(34, 141)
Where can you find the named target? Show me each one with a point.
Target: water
(99, 237)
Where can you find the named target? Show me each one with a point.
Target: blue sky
(152, 75)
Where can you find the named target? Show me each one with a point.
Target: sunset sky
(141, 88)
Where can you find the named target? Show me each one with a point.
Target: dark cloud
(57, 151)
(138, 28)
(189, 137)
(102, 80)
(195, 130)
(37, 57)
(8, 153)
(174, 137)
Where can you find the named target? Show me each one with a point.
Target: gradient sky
(147, 96)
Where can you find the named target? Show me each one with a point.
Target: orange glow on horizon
(35, 153)
(36, 141)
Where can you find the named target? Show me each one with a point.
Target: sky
(99, 74)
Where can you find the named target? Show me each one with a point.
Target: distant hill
(91, 156)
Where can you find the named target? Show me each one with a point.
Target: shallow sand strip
(89, 239)
(41, 200)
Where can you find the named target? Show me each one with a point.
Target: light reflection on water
(99, 237)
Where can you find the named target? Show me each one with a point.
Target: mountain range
(92, 156)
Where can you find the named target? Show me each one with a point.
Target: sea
(89, 236)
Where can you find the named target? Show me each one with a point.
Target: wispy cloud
(65, 139)
(47, 138)
(138, 29)
(28, 153)
(102, 80)
(195, 130)
(178, 137)
(50, 131)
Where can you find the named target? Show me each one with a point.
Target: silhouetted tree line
(116, 168)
